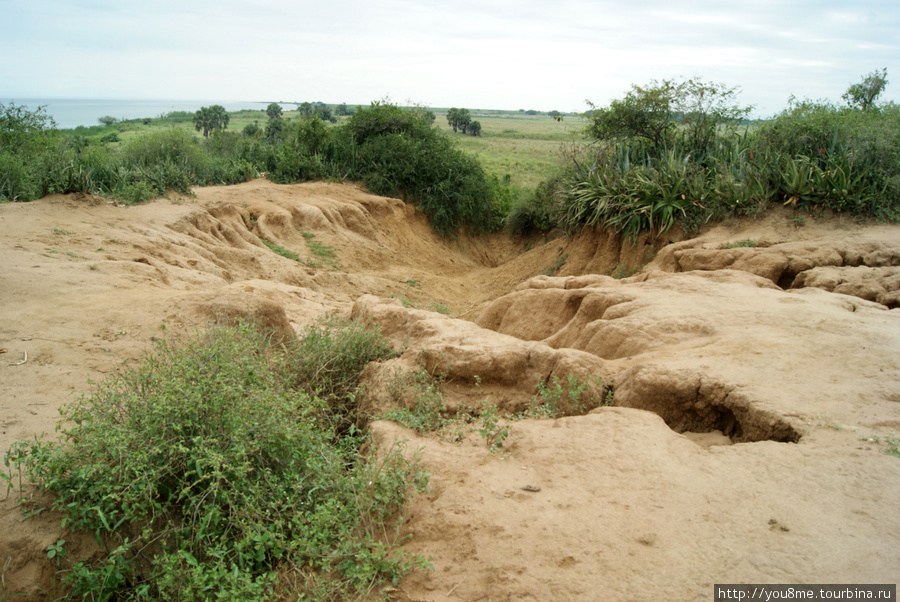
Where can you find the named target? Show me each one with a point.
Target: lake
(71, 113)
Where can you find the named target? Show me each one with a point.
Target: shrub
(841, 158)
(213, 465)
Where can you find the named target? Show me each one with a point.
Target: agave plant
(798, 177)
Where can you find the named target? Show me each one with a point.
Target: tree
(864, 94)
(323, 112)
(707, 110)
(107, 120)
(312, 134)
(653, 113)
(275, 129)
(274, 110)
(475, 128)
(210, 119)
(18, 124)
(459, 119)
(252, 130)
(342, 109)
(645, 112)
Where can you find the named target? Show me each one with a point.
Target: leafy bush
(398, 152)
(673, 153)
(690, 114)
(33, 156)
(840, 158)
(214, 466)
(326, 361)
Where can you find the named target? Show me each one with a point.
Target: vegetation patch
(279, 250)
(420, 405)
(683, 152)
(573, 397)
(741, 243)
(325, 253)
(557, 265)
(890, 441)
(228, 467)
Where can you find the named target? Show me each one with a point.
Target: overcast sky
(488, 54)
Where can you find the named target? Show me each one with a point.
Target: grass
(279, 250)
(741, 243)
(324, 252)
(527, 148)
(419, 405)
(231, 466)
(620, 271)
(891, 442)
(557, 265)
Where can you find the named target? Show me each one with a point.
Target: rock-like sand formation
(751, 387)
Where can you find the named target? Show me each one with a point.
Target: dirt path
(750, 380)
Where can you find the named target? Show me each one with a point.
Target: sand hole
(690, 403)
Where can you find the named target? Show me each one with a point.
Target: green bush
(836, 157)
(16, 180)
(394, 151)
(214, 467)
(664, 157)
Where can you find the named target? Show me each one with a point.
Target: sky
(478, 54)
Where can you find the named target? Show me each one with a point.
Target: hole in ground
(687, 402)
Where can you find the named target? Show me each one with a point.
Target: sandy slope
(748, 380)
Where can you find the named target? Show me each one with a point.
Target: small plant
(426, 411)
(620, 271)
(404, 301)
(323, 251)
(555, 399)
(440, 308)
(799, 221)
(891, 442)
(414, 283)
(421, 407)
(741, 243)
(279, 250)
(490, 429)
(556, 265)
(56, 551)
(61, 231)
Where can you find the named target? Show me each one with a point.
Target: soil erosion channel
(754, 386)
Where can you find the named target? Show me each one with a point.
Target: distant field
(525, 147)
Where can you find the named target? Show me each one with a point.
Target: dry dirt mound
(749, 380)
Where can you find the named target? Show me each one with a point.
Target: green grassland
(526, 147)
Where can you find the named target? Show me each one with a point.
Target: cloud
(483, 54)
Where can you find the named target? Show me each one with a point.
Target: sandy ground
(749, 383)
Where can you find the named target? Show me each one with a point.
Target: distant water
(71, 113)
